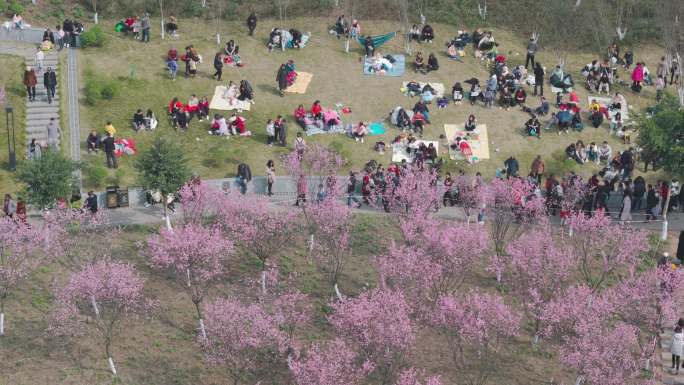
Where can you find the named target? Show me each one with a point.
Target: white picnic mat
(557, 90)
(478, 140)
(218, 102)
(301, 83)
(438, 87)
(399, 150)
(606, 102)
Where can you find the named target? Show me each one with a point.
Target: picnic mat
(376, 128)
(313, 129)
(479, 142)
(438, 87)
(398, 67)
(399, 150)
(218, 102)
(606, 102)
(301, 84)
(556, 90)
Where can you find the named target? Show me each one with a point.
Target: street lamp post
(11, 140)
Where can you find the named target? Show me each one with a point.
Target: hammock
(377, 40)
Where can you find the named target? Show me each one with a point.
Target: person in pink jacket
(637, 77)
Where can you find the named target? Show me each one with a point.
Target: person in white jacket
(676, 348)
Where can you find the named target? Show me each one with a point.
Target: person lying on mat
(300, 116)
(470, 124)
(463, 146)
(359, 131)
(457, 93)
(231, 94)
(317, 110)
(380, 64)
(427, 34)
(432, 64)
(419, 63)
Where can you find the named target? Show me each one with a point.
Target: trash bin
(123, 197)
(112, 197)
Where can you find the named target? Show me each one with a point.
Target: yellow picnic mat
(218, 102)
(301, 84)
(438, 87)
(478, 140)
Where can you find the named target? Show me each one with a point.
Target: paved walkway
(668, 377)
(73, 111)
(38, 112)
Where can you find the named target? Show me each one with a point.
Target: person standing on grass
(676, 348)
(108, 144)
(252, 23)
(270, 132)
(532, 48)
(270, 177)
(538, 79)
(218, 66)
(50, 83)
(282, 133)
(281, 79)
(145, 26)
(30, 82)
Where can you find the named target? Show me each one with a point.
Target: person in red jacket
(300, 116)
(317, 110)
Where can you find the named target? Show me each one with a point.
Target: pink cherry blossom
(334, 363)
(412, 376)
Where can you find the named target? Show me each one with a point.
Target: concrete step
(51, 109)
(43, 115)
(39, 123)
(41, 103)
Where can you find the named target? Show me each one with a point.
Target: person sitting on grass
(246, 91)
(418, 122)
(192, 108)
(544, 107)
(533, 127)
(317, 110)
(219, 126)
(432, 64)
(150, 120)
(475, 93)
(175, 106)
(203, 109)
(341, 27)
(359, 131)
(419, 63)
(237, 125)
(232, 52)
(414, 33)
(576, 123)
(452, 51)
(552, 122)
(506, 98)
(457, 93)
(138, 120)
(300, 116)
(427, 34)
(470, 124)
(182, 119)
(421, 107)
(520, 96)
(93, 142)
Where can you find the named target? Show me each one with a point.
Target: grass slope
(11, 78)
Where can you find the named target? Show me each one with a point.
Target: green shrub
(15, 7)
(109, 90)
(93, 37)
(92, 91)
(78, 12)
(94, 175)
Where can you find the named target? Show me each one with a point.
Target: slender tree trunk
(165, 199)
(203, 331)
(111, 366)
(263, 281)
(96, 310)
(161, 15)
(2, 317)
(337, 292)
(311, 246)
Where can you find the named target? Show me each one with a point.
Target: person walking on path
(218, 66)
(251, 23)
(50, 83)
(676, 347)
(108, 144)
(53, 135)
(59, 37)
(244, 175)
(301, 190)
(145, 26)
(270, 176)
(40, 59)
(626, 212)
(30, 82)
(532, 48)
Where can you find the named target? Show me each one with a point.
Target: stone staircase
(39, 112)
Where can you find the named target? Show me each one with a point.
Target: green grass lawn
(139, 71)
(11, 78)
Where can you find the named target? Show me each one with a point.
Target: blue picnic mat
(376, 128)
(398, 67)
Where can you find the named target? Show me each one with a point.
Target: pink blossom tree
(603, 356)
(293, 312)
(540, 270)
(469, 194)
(200, 202)
(103, 297)
(511, 205)
(412, 376)
(256, 227)
(477, 328)
(67, 237)
(334, 363)
(196, 255)
(17, 244)
(600, 247)
(436, 263)
(242, 338)
(379, 323)
(415, 194)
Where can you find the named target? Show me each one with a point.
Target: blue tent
(377, 40)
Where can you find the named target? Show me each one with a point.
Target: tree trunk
(203, 330)
(263, 282)
(111, 366)
(311, 246)
(165, 200)
(337, 292)
(96, 310)
(161, 15)
(579, 380)
(2, 317)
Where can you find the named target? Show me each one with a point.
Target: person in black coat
(91, 202)
(244, 175)
(50, 83)
(281, 78)
(282, 133)
(218, 66)
(246, 91)
(369, 46)
(108, 144)
(538, 79)
(427, 34)
(251, 23)
(651, 203)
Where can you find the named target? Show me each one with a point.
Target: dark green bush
(94, 175)
(93, 37)
(92, 91)
(109, 90)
